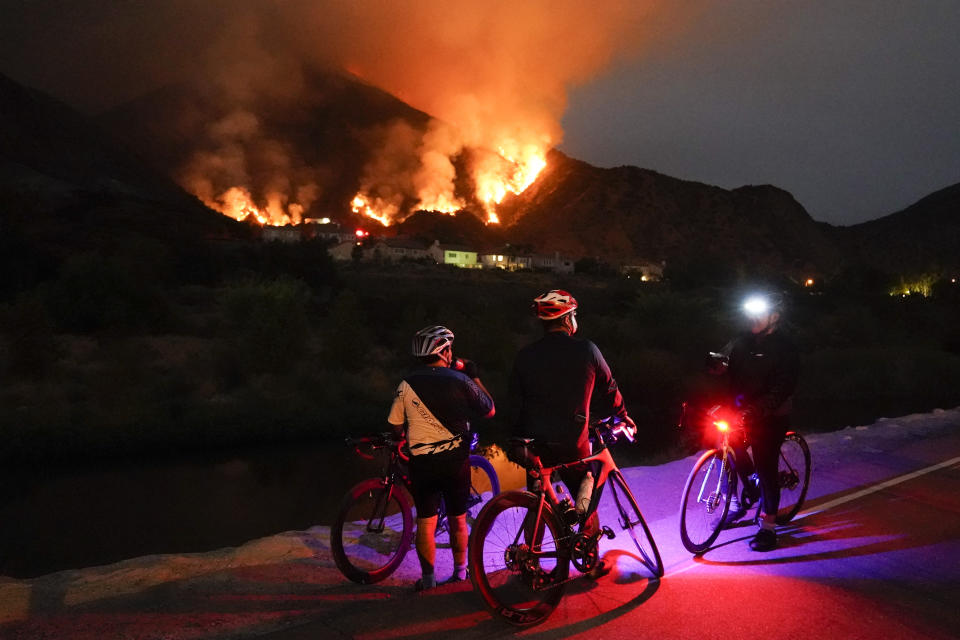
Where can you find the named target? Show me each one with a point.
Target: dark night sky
(851, 105)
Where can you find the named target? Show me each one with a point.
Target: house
(554, 263)
(456, 255)
(344, 251)
(288, 234)
(324, 229)
(401, 248)
(508, 261)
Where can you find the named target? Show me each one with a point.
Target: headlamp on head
(757, 306)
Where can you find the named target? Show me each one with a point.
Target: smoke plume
(495, 75)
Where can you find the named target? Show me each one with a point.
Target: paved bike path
(834, 565)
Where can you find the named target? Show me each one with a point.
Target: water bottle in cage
(585, 493)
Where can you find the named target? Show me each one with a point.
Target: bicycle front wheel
(631, 520)
(517, 565)
(793, 475)
(706, 500)
(372, 532)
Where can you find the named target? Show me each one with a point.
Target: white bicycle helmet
(430, 341)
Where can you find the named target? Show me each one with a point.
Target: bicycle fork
(714, 497)
(378, 518)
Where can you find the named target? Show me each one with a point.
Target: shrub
(266, 325)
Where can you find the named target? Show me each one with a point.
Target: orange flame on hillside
(376, 208)
(495, 176)
(498, 175)
(237, 203)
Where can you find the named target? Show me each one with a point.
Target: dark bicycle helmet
(554, 304)
(430, 341)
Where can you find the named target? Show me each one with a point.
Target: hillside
(924, 237)
(330, 136)
(326, 136)
(628, 212)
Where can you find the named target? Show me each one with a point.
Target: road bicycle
(373, 530)
(712, 482)
(523, 542)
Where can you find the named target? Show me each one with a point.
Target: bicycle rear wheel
(632, 521)
(793, 474)
(706, 500)
(484, 485)
(372, 532)
(519, 572)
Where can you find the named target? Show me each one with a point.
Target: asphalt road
(874, 559)
(874, 554)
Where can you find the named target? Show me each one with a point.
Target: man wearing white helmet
(762, 366)
(556, 384)
(437, 404)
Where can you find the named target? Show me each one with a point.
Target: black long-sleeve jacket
(554, 383)
(763, 372)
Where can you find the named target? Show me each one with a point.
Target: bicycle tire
(484, 485)
(518, 588)
(706, 500)
(650, 554)
(373, 531)
(793, 475)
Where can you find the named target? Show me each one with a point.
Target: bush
(266, 326)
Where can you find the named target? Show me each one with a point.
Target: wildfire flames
(237, 203)
(495, 175)
(507, 175)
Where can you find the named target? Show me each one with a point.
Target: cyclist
(437, 404)
(762, 366)
(555, 383)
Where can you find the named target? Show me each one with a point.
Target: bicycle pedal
(608, 532)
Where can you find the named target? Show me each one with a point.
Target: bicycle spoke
(515, 561)
(372, 532)
(705, 502)
(631, 520)
(793, 476)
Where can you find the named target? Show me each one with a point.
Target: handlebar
(612, 428)
(366, 446)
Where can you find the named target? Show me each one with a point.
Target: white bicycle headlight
(756, 306)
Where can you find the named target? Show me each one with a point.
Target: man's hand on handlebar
(628, 428)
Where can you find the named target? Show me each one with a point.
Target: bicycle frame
(604, 464)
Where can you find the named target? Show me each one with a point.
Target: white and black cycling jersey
(437, 404)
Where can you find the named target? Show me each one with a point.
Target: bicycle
(523, 542)
(712, 482)
(373, 530)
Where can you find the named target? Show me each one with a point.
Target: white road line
(877, 487)
(687, 565)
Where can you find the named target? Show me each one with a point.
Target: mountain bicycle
(373, 530)
(523, 542)
(712, 482)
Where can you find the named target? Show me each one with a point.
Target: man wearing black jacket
(762, 365)
(555, 385)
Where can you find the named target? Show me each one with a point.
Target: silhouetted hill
(336, 126)
(327, 134)
(67, 190)
(628, 213)
(55, 161)
(924, 237)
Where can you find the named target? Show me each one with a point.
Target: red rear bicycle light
(722, 425)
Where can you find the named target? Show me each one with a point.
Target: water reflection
(85, 516)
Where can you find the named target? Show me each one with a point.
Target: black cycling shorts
(437, 475)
